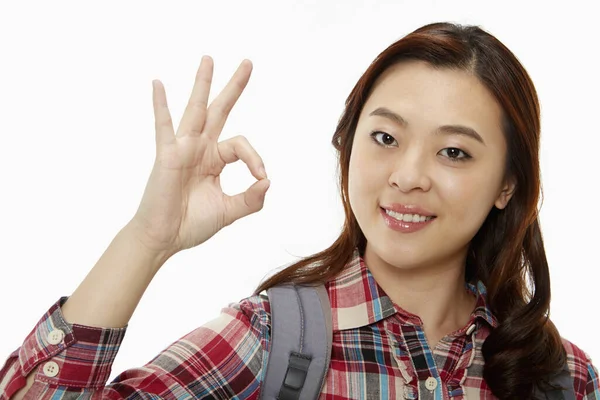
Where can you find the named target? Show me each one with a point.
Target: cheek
(469, 196)
(364, 182)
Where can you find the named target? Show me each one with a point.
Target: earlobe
(505, 195)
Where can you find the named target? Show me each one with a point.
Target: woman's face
(402, 155)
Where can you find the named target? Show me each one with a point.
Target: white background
(77, 142)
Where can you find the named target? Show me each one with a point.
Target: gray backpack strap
(301, 336)
(564, 381)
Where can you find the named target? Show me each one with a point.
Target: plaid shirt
(379, 352)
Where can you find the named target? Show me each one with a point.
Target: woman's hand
(183, 204)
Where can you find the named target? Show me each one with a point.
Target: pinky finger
(163, 123)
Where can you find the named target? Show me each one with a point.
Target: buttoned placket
(429, 385)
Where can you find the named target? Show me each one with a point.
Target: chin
(398, 255)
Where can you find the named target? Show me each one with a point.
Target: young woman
(439, 284)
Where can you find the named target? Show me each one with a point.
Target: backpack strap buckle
(297, 370)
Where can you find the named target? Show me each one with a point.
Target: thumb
(248, 202)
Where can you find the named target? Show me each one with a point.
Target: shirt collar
(357, 300)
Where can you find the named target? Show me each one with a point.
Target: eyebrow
(444, 129)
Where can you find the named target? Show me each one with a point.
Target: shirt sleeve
(583, 372)
(592, 385)
(219, 360)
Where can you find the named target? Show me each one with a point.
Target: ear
(505, 194)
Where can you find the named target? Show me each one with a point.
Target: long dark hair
(507, 253)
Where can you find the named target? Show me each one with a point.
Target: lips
(403, 226)
(408, 209)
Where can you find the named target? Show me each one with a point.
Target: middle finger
(194, 116)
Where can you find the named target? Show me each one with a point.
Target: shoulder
(255, 309)
(239, 326)
(583, 372)
(225, 353)
(250, 314)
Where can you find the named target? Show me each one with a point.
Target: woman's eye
(386, 139)
(454, 153)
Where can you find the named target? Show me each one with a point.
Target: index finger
(219, 109)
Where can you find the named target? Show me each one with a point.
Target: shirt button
(51, 369)
(56, 336)
(431, 383)
(470, 329)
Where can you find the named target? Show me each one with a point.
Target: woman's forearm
(111, 291)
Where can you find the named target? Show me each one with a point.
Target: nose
(411, 171)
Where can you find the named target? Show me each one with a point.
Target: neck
(435, 293)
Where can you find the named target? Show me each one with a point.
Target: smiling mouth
(408, 218)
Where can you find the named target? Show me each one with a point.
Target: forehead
(430, 97)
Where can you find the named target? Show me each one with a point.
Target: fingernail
(262, 172)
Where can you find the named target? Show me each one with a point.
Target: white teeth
(407, 217)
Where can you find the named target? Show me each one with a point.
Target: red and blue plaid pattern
(379, 352)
